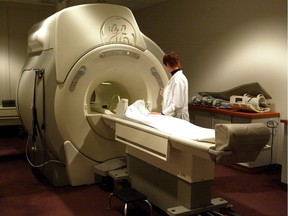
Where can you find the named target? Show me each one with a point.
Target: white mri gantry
(84, 64)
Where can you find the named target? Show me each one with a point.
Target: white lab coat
(175, 97)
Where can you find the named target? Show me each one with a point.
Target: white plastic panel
(147, 142)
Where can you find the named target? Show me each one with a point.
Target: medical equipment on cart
(249, 103)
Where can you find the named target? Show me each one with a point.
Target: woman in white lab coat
(175, 93)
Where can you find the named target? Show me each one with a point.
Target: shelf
(236, 112)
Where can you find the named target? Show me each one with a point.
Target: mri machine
(85, 95)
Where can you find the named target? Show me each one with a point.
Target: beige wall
(225, 43)
(15, 22)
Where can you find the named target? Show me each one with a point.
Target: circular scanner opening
(106, 96)
(109, 78)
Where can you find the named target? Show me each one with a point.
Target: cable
(36, 129)
(40, 165)
(272, 124)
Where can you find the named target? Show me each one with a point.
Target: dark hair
(172, 59)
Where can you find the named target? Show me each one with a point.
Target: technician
(175, 93)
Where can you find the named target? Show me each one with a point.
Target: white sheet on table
(171, 125)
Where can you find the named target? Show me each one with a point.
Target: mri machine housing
(81, 62)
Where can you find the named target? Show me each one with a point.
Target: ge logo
(118, 30)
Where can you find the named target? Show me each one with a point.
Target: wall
(15, 22)
(225, 43)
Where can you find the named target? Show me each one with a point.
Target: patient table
(172, 160)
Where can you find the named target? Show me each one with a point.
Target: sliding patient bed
(176, 169)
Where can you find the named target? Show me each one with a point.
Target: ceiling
(132, 4)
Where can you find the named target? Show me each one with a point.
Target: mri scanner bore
(75, 96)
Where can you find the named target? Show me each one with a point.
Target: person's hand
(156, 113)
